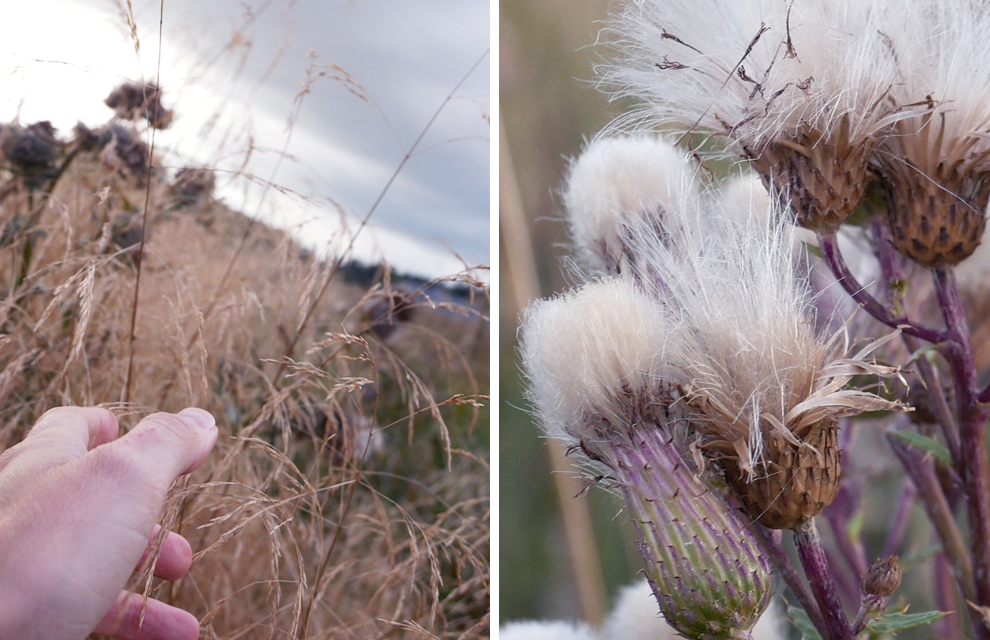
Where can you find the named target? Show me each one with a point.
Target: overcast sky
(233, 73)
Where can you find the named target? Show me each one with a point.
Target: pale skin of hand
(78, 507)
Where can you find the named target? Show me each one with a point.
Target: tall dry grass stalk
(348, 494)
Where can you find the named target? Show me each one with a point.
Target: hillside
(348, 494)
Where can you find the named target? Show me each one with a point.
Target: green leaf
(802, 623)
(894, 622)
(925, 443)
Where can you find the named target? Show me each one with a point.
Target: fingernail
(203, 419)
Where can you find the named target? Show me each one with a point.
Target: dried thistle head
(30, 151)
(133, 101)
(194, 184)
(935, 165)
(123, 149)
(595, 359)
(797, 88)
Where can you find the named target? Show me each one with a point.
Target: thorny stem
(771, 543)
(975, 469)
(812, 555)
(830, 251)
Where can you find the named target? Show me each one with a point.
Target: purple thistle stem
(891, 266)
(975, 469)
(895, 535)
(847, 584)
(830, 251)
(951, 625)
(770, 540)
(891, 262)
(809, 548)
(922, 473)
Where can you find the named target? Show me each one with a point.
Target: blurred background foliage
(549, 107)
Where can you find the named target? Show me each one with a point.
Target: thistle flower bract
(593, 358)
(935, 164)
(799, 88)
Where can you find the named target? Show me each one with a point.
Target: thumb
(165, 446)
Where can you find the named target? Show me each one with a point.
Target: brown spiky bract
(822, 179)
(933, 225)
(798, 481)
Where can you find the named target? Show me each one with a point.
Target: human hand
(78, 507)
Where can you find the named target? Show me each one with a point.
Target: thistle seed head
(799, 89)
(936, 161)
(593, 351)
(763, 390)
(620, 188)
(595, 362)
(30, 151)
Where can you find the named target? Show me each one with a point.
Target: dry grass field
(348, 495)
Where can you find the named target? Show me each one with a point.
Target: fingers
(61, 435)
(174, 560)
(161, 621)
(164, 446)
(72, 431)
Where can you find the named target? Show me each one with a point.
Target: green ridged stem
(705, 567)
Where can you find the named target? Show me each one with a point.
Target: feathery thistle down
(620, 188)
(592, 357)
(798, 88)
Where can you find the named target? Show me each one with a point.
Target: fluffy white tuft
(756, 70)
(619, 185)
(531, 630)
(737, 314)
(943, 55)
(582, 350)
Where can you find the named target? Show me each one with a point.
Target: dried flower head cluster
(825, 99)
(695, 353)
(736, 328)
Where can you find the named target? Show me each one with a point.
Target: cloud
(406, 57)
